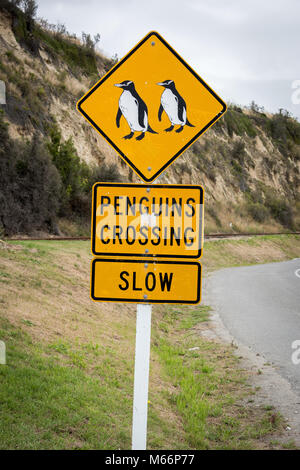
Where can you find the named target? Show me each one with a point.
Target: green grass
(208, 385)
(48, 401)
(192, 318)
(68, 382)
(249, 251)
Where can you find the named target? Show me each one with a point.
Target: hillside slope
(248, 162)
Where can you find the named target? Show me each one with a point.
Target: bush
(238, 151)
(265, 201)
(212, 212)
(280, 210)
(104, 173)
(74, 174)
(258, 211)
(29, 186)
(77, 178)
(39, 182)
(239, 123)
(75, 55)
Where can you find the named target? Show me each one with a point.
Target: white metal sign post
(141, 376)
(141, 373)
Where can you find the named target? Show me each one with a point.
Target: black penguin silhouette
(134, 110)
(174, 106)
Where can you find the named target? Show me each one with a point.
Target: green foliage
(74, 54)
(212, 212)
(77, 177)
(29, 186)
(74, 173)
(29, 8)
(238, 123)
(30, 35)
(39, 182)
(204, 163)
(285, 131)
(238, 151)
(29, 106)
(104, 173)
(280, 209)
(258, 211)
(265, 201)
(11, 57)
(23, 26)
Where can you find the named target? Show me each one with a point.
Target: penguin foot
(180, 129)
(129, 136)
(141, 136)
(169, 129)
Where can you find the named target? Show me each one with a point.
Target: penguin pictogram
(134, 110)
(174, 106)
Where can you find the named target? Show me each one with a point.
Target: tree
(89, 42)
(30, 9)
(29, 185)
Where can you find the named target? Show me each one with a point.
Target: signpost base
(141, 377)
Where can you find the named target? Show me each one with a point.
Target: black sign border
(142, 255)
(94, 88)
(146, 301)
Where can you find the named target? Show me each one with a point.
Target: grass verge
(68, 382)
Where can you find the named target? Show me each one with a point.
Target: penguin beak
(160, 84)
(118, 85)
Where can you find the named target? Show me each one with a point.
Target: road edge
(270, 387)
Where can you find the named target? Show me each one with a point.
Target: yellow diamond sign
(151, 106)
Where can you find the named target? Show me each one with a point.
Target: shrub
(11, 57)
(239, 123)
(75, 55)
(274, 205)
(238, 151)
(280, 209)
(258, 211)
(104, 173)
(77, 177)
(29, 186)
(212, 212)
(74, 173)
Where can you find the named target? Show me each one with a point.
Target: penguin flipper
(160, 111)
(119, 114)
(181, 107)
(142, 109)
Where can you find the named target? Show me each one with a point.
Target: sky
(244, 49)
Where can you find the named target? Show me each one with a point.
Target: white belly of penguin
(129, 107)
(170, 104)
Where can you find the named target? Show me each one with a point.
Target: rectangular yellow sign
(147, 221)
(145, 281)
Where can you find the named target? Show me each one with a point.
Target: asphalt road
(260, 306)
